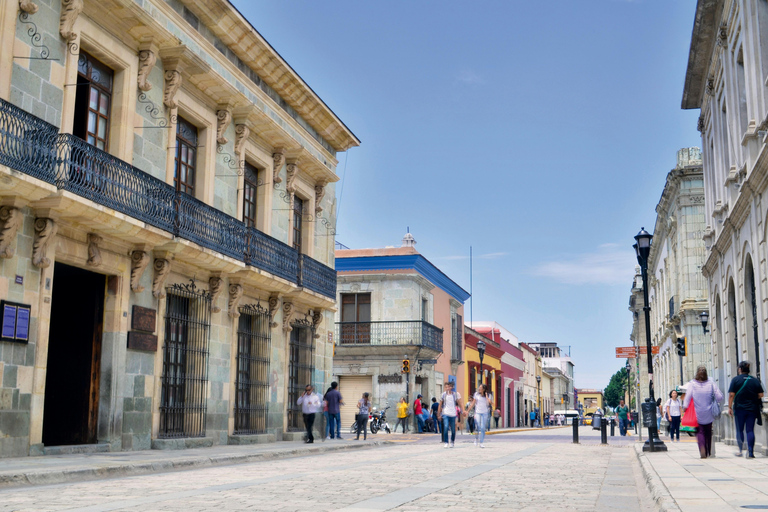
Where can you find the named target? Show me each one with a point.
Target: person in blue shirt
(435, 407)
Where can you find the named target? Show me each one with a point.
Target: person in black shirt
(745, 404)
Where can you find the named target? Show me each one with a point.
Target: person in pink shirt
(703, 392)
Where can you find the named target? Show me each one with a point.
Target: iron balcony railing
(34, 147)
(408, 332)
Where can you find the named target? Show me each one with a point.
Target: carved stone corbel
(319, 194)
(278, 159)
(215, 284)
(172, 84)
(242, 132)
(28, 6)
(235, 294)
(317, 320)
(223, 118)
(45, 230)
(147, 60)
(162, 267)
(288, 311)
(700, 124)
(70, 10)
(12, 219)
(139, 261)
(94, 253)
(274, 305)
(291, 170)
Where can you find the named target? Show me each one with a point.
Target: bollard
(575, 431)
(613, 427)
(604, 431)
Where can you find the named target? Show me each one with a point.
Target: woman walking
(402, 414)
(704, 394)
(482, 410)
(745, 404)
(363, 408)
(673, 410)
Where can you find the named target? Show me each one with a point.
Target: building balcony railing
(34, 147)
(408, 332)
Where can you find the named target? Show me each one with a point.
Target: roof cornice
(705, 23)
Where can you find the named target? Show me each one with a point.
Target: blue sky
(540, 133)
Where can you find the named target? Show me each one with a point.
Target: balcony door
(355, 318)
(92, 101)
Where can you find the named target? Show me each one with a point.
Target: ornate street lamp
(481, 351)
(538, 382)
(643, 250)
(704, 317)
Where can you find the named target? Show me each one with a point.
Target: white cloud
(609, 265)
(468, 76)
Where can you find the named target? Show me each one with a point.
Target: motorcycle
(379, 421)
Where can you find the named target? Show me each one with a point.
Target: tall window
(300, 369)
(185, 363)
(252, 383)
(457, 336)
(425, 310)
(298, 212)
(250, 189)
(751, 304)
(355, 318)
(92, 101)
(734, 326)
(186, 156)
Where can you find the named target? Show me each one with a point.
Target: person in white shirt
(310, 403)
(673, 411)
(482, 406)
(450, 408)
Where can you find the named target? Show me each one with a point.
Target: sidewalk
(682, 481)
(55, 469)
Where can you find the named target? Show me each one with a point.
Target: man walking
(744, 403)
(310, 403)
(334, 400)
(447, 412)
(417, 412)
(623, 412)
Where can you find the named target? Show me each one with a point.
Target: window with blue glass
(15, 322)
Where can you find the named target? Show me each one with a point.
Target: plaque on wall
(143, 319)
(142, 341)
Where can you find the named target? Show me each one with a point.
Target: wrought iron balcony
(408, 332)
(34, 147)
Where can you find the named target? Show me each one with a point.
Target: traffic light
(406, 366)
(681, 346)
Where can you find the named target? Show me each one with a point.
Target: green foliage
(614, 392)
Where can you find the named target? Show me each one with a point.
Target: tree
(614, 392)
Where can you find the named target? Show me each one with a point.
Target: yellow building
(590, 400)
(491, 371)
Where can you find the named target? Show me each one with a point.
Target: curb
(512, 431)
(659, 491)
(48, 477)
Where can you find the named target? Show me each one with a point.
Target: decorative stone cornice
(162, 267)
(317, 320)
(278, 159)
(70, 10)
(242, 132)
(289, 310)
(139, 261)
(12, 219)
(45, 230)
(235, 294)
(172, 84)
(274, 305)
(147, 60)
(28, 6)
(223, 118)
(215, 285)
(291, 170)
(94, 253)
(319, 194)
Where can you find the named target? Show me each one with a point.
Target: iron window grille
(300, 370)
(254, 342)
(185, 362)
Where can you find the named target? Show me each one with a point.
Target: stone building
(677, 288)
(560, 366)
(167, 206)
(530, 388)
(394, 305)
(726, 79)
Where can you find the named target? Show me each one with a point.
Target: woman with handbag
(706, 398)
(673, 411)
(744, 403)
(363, 408)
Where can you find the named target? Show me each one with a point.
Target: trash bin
(649, 413)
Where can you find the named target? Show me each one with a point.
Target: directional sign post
(626, 352)
(644, 350)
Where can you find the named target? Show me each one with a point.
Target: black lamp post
(481, 351)
(629, 385)
(704, 317)
(643, 250)
(538, 383)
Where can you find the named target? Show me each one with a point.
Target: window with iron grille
(186, 156)
(185, 362)
(252, 382)
(92, 101)
(250, 189)
(298, 212)
(300, 370)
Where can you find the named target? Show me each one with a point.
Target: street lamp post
(629, 386)
(481, 351)
(643, 250)
(538, 383)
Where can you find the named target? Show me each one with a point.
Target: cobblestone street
(406, 475)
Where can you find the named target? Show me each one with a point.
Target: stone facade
(169, 60)
(677, 288)
(725, 78)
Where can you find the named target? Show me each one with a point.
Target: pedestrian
(363, 409)
(546, 418)
(448, 411)
(402, 414)
(673, 411)
(438, 425)
(326, 416)
(745, 403)
(532, 416)
(334, 400)
(622, 412)
(496, 417)
(704, 394)
(658, 415)
(481, 408)
(310, 403)
(417, 412)
(471, 418)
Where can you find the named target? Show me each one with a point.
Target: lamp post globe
(704, 317)
(481, 352)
